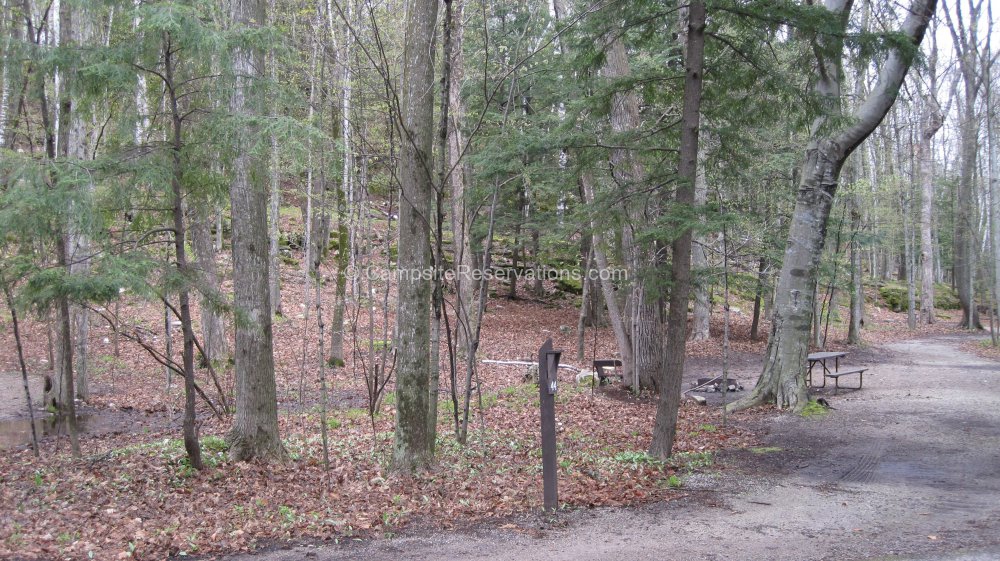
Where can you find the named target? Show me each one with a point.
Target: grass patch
(813, 409)
(636, 459)
(692, 461)
(765, 449)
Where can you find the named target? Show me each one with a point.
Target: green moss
(570, 285)
(765, 449)
(945, 298)
(813, 409)
(895, 296)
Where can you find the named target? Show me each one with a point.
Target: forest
(278, 270)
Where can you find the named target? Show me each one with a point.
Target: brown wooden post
(548, 367)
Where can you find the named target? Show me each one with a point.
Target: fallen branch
(569, 367)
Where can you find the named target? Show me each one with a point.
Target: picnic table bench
(601, 374)
(821, 358)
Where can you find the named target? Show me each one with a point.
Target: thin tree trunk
(932, 122)
(344, 247)
(857, 282)
(581, 324)
(437, 297)
(665, 425)
(465, 261)
(213, 332)
(993, 186)
(191, 444)
(607, 287)
(23, 367)
(700, 320)
(758, 297)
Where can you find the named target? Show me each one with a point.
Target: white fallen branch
(569, 367)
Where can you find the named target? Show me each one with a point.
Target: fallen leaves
(133, 495)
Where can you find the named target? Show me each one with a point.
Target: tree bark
(77, 31)
(191, 445)
(857, 283)
(213, 333)
(640, 256)
(412, 448)
(254, 434)
(665, 425)
(274, 210)
(758, 296)
(966, 45)
(932, 122)
(462, 216)
(783, 379)
(700, 320)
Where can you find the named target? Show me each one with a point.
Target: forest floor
(133, 495)
(906, 468)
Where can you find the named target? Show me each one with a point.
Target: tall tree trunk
(932, 122)
(191, 444)
(640, 255)
(213, 333)
(254, 434)
(783, 379)
(700, 320)
(68, 405)
(462, 216)
(437, 298)
(77, 31)
(857, 283)
(344, 247)
(758, 297)
(274, 208)
(665, 425)
(966, 44)
(412, 448)
(993, 185)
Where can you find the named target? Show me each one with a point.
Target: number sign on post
(548, 367)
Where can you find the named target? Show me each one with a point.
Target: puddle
(15, 433)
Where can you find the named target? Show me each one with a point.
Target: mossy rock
(570, 285)
(945, 298)
(895, 297)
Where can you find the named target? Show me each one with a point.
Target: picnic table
(821, 358)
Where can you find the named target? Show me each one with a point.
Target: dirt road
(907, 468)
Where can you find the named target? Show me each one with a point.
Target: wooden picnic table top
(825, 355)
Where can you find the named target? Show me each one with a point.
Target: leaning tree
(834, 135)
